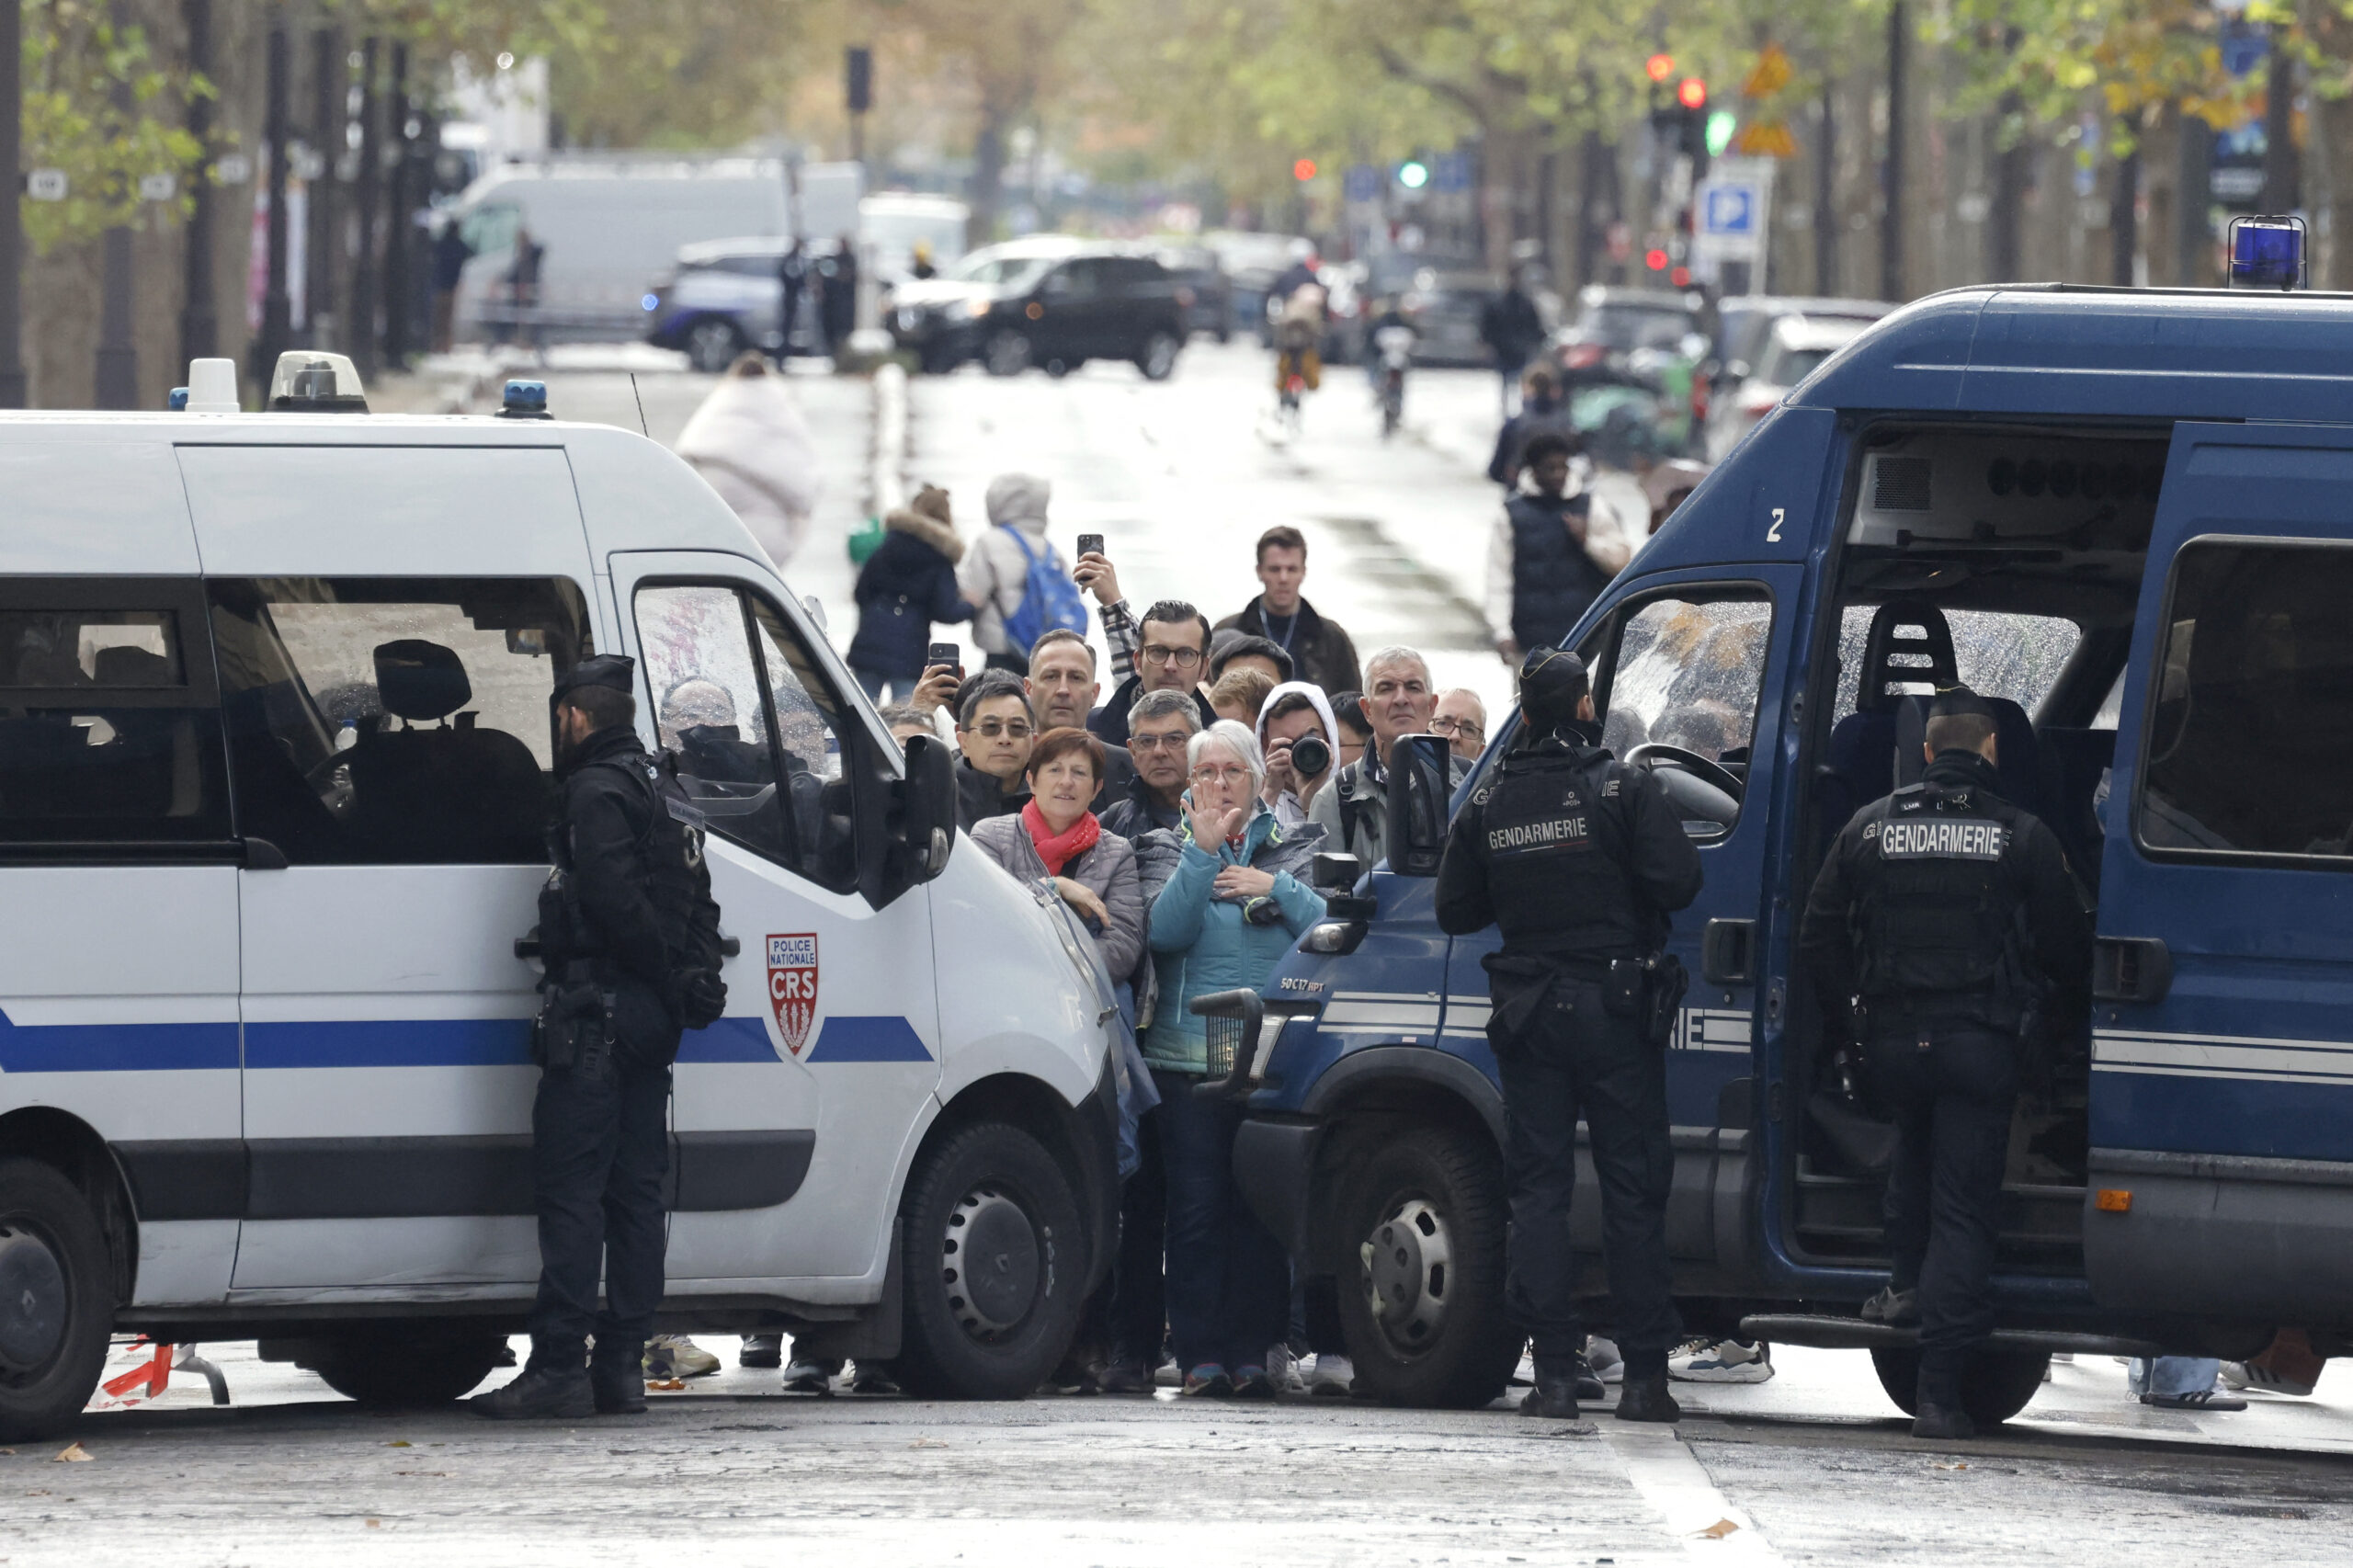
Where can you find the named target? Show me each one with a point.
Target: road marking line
(1671, 1479)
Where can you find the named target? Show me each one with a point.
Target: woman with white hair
(1229, 895)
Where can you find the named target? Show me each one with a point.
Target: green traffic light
(1721, 125)
(1412, 176)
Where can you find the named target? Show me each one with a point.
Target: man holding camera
(630, 938)
(1297, 735)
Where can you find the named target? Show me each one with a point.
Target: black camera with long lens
(1310, 755)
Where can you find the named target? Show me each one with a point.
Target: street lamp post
(277, 309)
(200, 329)
(12, 226)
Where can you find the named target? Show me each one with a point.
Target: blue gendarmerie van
(2125, 516)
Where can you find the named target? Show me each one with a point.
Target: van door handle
(1727, 952)
(729, 947)
(2130, 969)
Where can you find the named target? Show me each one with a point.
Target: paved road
(1812, 1468)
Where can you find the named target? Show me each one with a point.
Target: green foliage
(77, 67)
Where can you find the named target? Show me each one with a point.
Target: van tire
(409, 1367)
(995, 1181)
(1157, 358)
(54, 1256)
(1994, 1386)
(1446, 1185)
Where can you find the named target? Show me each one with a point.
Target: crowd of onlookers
(1175, 802)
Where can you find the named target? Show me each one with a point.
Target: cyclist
(1298, 341)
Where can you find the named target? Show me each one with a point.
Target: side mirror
(1421, 781)
(905, 827)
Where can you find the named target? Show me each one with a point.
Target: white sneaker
(1283, 1370)
(675, 1356)
(1334, 1376)
(1725, 1361)
(1601, 1354)
(2241, 1376)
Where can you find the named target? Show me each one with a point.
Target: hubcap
(33, 1302)
(1408, 1268)
(989, 1262)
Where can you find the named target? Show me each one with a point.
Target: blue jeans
(2171, 1374)
(1228, 1280)
(874, 683)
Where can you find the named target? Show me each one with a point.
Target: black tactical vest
(1556, 838)
(1938, 907)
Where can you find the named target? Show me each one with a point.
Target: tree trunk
(2336, 127)
(988, 168)
(1825, 194)
(2125, 220)
(2007, 198)
(2161, 179)
(1892, 182)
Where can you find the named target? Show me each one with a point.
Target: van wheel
(711, 345)
(1157, 358)
(1422, 1218)
(56, 1301)
(403, 1367)
(995, 1266)
(1994, 1386)
(1008, 354)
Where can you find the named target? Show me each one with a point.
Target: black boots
(1555, 1397)
(1897, 1308)
(1944, 1422)
(1646, 1399)
(542, 1393)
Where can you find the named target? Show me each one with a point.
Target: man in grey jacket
(1399, 700)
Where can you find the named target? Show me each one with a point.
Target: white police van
(274, 763)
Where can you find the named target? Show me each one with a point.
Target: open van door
(2222, 1082)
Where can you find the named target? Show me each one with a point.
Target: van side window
(109, 729)
(755, 728)
(1687, 673)
(2250, 736)
(395, 720)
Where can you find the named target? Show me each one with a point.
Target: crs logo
(792, 986)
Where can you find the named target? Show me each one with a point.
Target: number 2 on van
(792, 986)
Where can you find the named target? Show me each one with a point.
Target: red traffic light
(1680, 277)
(1303, 170)
(1659, 67)
(1691, 93)
(1655, 260)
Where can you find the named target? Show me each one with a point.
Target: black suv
(1058, 312)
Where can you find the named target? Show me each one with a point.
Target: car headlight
(1277, 1028)
(976, 309)
(909, 320)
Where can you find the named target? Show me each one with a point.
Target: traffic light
(1691, 93)
(1659, 67)
(1303, 170)
(1721, 123)
(1413, 174)
(859, 67)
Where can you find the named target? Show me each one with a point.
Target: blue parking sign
(1361, 183)
(1730, 210)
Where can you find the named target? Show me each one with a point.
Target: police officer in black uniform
(1947, 926)
(1579, 859)
(628, 934)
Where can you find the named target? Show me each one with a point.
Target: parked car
(1614, 325)
(726, 295)
(1744, 324)
(1055, 304)
(1252, 262)
(1793, 347)
(1198, 269)
(1443, 300)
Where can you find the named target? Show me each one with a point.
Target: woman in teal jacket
(1233, 899)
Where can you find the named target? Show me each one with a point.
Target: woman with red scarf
(1054, 841)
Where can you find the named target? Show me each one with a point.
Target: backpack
(672, 848)
(1049, 600)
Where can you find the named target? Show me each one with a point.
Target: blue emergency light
(525, 400)
(2267, 252)
(177, 402)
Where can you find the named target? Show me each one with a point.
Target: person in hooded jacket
(906, 586)
(994, 574)
(1294, 711)
(1229, 893)
(750, 443)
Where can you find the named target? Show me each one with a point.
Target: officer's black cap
(1551, 682)
(618, 671)
(1959, 703)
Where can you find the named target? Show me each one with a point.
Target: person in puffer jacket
(750, 443)
(1231, 898)
(906, 586)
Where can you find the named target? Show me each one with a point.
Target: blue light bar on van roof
(525, 400)
(2267, 252)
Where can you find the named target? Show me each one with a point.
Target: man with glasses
(1159, 726)
(1399, 700)
(1461, 718)
(996, 728)
(1169, 651)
